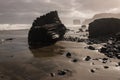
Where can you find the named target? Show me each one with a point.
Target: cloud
(113, 10)
(97, 5)
(25, 11)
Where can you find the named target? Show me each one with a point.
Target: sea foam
(14, 26)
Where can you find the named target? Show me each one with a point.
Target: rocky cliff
(46, 30)
(104, 27)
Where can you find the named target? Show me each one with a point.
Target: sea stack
(104, 27)
(46, 30)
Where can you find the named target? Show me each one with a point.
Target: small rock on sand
(52, 74)
(61, 72)
(91, 47)
(104, 60)
(92, 63)
(9, 39)
(75, 60)
(106, 67)
(118, 63)
(64, 72)
(68, 55)
(92, 70)
(87, 58)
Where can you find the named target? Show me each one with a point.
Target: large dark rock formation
(46, 30)
(104, 27)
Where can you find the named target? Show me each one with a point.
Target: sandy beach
(18, 62)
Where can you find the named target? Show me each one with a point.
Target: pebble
(104, 60)
(92, 70)
(68, 55)
(61, 72)
(118, 56)
(92, 63)
(64, 72)
(87, 58)
(52, 74)
(106, 67)
(9, 39)
(75, 60)
(91, 48)
(118, 63)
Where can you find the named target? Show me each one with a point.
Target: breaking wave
(14, 26)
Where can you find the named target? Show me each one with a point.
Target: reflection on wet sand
(48, 51)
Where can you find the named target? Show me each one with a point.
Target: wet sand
(18, 62)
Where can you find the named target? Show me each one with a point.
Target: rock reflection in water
(48, 51)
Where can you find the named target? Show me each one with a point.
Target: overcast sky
(25, 11)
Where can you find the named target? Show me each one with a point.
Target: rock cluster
(46, 30)
(91, 47)
(104, 27)
(73, 39)
(111, 49)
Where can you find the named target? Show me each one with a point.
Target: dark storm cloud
(24, 11)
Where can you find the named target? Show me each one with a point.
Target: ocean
(27, 26)
(14, 26)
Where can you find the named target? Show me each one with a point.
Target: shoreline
(18, 62)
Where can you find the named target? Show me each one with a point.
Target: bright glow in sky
(25, 11)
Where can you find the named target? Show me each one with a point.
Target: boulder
(68, 55)
(46, 30)
(87, 58)
(104, 27)
(91, 47)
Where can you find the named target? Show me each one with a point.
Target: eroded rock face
(104, 27)
(46, 30)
